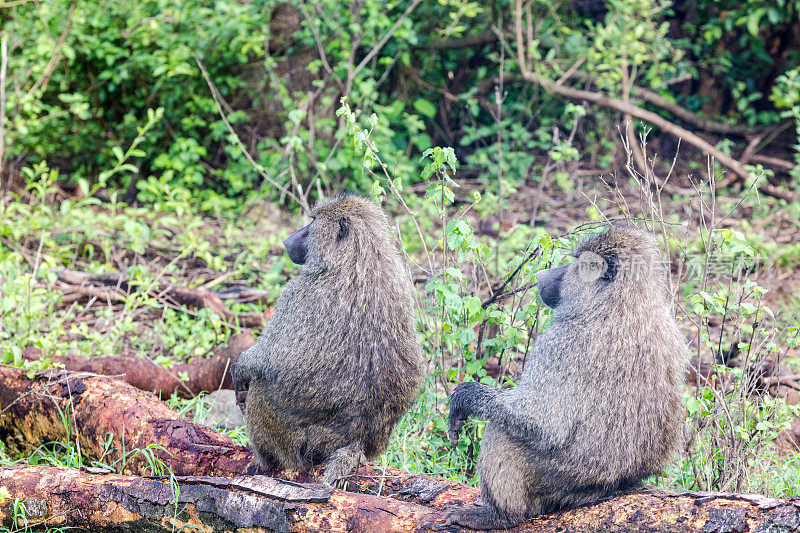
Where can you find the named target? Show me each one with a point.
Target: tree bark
(204, 375)
(64, 497)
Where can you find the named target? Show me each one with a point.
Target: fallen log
(201, 375)
(31, 414)
(83, 408)
(38, 497)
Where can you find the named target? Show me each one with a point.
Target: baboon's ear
(344, 229)
(612, 267)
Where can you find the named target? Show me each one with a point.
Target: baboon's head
(622, 264)
(342, 229)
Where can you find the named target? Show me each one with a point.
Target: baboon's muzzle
(296, 245)
(549, 282)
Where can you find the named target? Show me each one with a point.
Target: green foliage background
(82, 74)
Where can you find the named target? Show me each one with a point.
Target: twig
(571, 70)
(13, 3)
(107, 295)
(412, 73)
(773, 161)
(750, 149)
(379, 45)
(630, 134)
(703, 123)
(216, 281)
(217, 98)
(790, 380)
(468, 41)
(51, 65)
(521, 55)
(493, 298)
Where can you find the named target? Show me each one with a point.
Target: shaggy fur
(339, 362)
(598, 407)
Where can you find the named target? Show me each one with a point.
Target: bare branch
(258, 168)
(51, 65)
(703, 123)
(468, 41)
(384, 39)
(628, 109)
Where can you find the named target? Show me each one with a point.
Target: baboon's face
(340, 230)
(296, 245)
(611, 265)
(313, 238)
(549, 282)
(588, 274)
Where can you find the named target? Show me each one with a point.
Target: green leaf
(424, 107)
(472, 305)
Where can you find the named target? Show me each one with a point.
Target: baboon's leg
(508, 485)
(342, 462)
(270, 437)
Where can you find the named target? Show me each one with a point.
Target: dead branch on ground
(185, 379)
(114, 287)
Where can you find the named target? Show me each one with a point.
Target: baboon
(339, 361)
(598, 406)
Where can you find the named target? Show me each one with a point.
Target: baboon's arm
(481, 401)
(241, 375)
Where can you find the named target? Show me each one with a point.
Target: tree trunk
(91, 500)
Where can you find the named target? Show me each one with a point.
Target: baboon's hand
(241, 399)
(240, 385)
(461, 407)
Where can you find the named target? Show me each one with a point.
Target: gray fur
(598, 406)
(339, 361)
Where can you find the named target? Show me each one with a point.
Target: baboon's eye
(612, 267)
(344, 229)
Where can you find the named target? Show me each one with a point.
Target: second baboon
(598, 406)
(339, 361)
